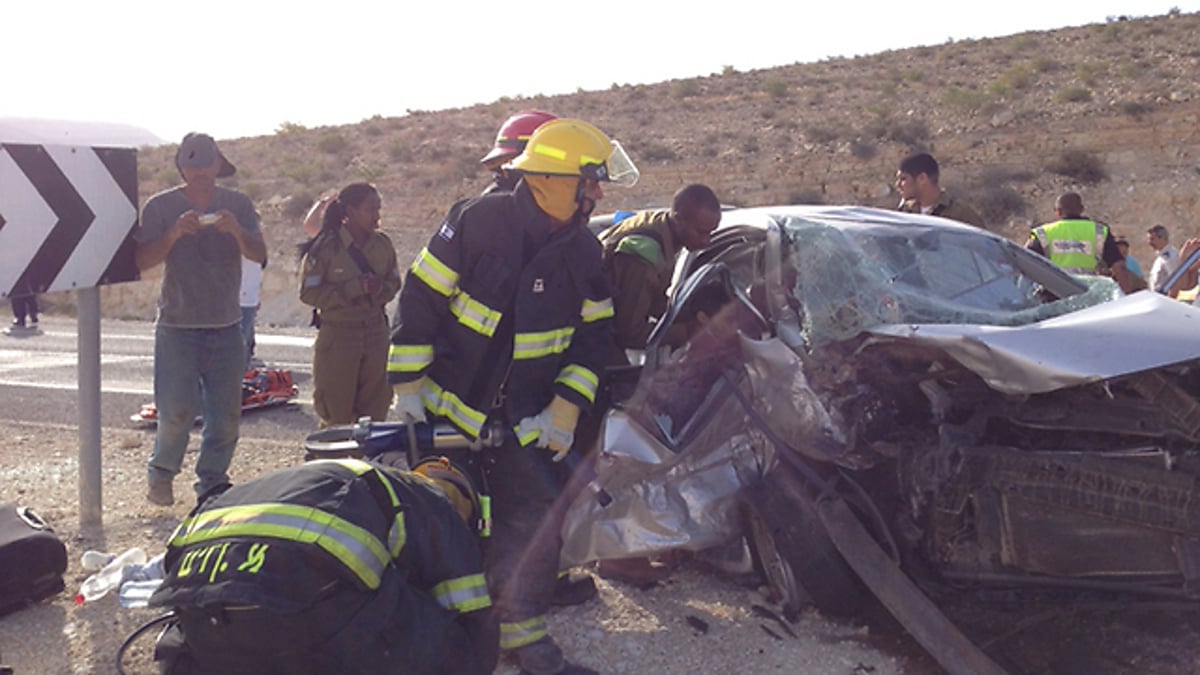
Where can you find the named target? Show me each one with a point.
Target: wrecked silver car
(899, 406)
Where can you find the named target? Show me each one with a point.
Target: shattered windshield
(853, 276)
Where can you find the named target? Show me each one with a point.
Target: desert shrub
(821, 134)
(728, 70)
(1044, 64)
(1019, 76)
(368, 172)
(998, 88)
(636, 93)
(775, 87)
(806, 196)
(301, 172)
(1080, 165)
(166, 177)
(1024, 43)
(332, 143)
(863, 150)
(878, 109)
(1073, 95)
(399, 151)
(685, 88)
(964, 98)
(1132, 69)
(298, 203)
(1088, 71)
(254, 190)
(910, 132)
(285, 128)
(888, 88)
(1134, 109)
(912, 75)
(1001, 176)
(766, 113)
(998, 203)
(652, 151)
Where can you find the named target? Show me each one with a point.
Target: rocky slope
(1109, 110)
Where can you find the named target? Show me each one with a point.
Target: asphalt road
(39, 375)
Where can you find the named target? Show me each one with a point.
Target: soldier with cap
(200, 231)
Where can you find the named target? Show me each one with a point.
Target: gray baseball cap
(200, 150)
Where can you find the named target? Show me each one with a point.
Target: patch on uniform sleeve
(642, 246)
(446, 231)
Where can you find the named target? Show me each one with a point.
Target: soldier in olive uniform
(348, 274)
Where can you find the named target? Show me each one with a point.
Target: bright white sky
(242, 68)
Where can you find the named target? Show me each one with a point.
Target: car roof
(838, 216)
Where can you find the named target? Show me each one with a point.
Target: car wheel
(792, 551)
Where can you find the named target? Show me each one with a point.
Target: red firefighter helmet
(514, 134)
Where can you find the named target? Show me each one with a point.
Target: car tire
(793, 553)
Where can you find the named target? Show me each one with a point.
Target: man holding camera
(201, 231)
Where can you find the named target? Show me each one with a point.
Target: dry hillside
(1108, 109)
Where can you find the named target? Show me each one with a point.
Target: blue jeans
(197, 370)
(249, 316)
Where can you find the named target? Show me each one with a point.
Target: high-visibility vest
(1074, 245)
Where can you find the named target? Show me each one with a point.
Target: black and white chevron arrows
(67, 217)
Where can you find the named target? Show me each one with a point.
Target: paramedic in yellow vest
(1079, 245)
(639, 258)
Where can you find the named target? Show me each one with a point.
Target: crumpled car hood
(1131, 334)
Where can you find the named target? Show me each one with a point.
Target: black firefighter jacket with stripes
(497, 303)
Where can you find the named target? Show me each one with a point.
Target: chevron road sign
(67, 217)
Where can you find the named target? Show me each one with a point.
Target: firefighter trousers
(521, 557)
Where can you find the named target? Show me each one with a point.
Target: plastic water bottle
(141, 581)
(94, 561)
(110, 576)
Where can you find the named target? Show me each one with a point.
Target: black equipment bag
(32, 558)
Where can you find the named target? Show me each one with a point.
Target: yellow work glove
(555, 427)
(406, 401)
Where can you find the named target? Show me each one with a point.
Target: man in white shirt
(1166, 256)
(251, 284)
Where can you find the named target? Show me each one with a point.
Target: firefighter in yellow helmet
(505, 322)
(334, 566)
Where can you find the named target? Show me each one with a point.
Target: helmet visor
(617, 169)
(621, 169)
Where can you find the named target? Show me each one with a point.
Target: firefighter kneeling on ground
(335, 566)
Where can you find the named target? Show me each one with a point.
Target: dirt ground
(695, 622)
(625, 630)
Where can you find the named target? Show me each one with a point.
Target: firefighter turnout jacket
(377, 555)
(502, 313)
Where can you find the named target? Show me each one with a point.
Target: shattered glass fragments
(855, 276)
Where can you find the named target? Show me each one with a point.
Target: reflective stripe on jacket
(279, 540)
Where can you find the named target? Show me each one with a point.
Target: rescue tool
(370, 439)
